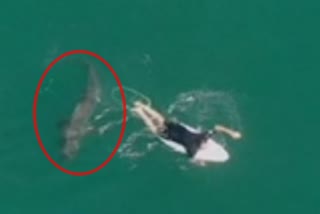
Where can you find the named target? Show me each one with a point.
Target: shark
(79, 124)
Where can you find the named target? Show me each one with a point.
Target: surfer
(174, 131)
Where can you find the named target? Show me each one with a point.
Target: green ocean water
(264, 54)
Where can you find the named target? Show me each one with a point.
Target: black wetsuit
(179, 134)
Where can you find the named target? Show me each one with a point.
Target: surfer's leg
(153, 119)
(149, 110)
(154, 125)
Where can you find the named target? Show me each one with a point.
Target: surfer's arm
(232, 133)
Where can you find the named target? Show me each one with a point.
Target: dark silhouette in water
(79, 124)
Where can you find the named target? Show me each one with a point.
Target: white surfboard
(210, 151)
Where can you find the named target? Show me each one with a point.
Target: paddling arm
(232, 133)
